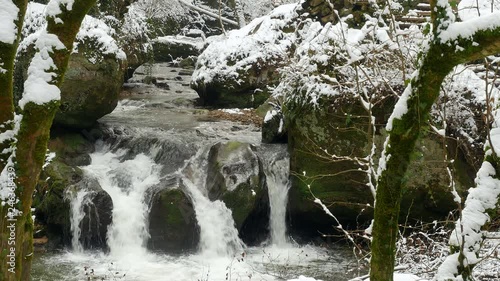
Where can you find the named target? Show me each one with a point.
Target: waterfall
(77, 213)
(218, 234)
(126, 181)
(278, 184)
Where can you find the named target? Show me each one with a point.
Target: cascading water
(149, 142)
(218, 236)
(126, 181)
(77, 204)
(278, 184)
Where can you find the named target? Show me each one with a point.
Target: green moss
(241, 201)
(170, 201)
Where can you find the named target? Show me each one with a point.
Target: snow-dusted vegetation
(252, 140)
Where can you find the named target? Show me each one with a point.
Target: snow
(197, 43)
(468, 28)
(8, 15)
(303, 278)
(92, 32)
(401, 107)
(469, 9)
(269, 115)
(39, 87)
(260, 41)
(233, 111)
(54, 7)
(96, 30)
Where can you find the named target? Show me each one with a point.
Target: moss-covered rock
(90, 90)
(322, 138)
(97, 210)
(172, 222)
(52, 209)
(235, 176)
(51, 203)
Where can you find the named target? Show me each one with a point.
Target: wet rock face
(98, 215)
(273, 128)
(52, 208)
(235, 176)
(172, 223)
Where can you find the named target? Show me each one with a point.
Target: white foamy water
(278, 184)
(261, 264)
(126, 182)
(77, 214)
(218, 235)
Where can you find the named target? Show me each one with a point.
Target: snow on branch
(8, 15)
(469, 28)
(39, 87)
(54, 7)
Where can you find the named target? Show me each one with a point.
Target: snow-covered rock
(235, 69)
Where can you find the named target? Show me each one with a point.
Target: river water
(155, 138)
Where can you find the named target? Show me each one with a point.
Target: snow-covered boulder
(168, 48)
(236, 69)
(95, 72)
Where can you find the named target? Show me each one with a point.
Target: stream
(157, 139)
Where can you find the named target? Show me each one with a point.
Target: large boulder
(90, 90)
(236, 176)
(172, 222)
(169, 48)
(52, 208)
(235, 70)
(328, 112)
(327, 143)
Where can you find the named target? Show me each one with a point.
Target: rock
(52, 209)
(90, 90)
(98, 215)
(237, 70)
(273, 128)
(71, 148)
(169, 48)
(338, 126)
(172, 223)
(235, 176)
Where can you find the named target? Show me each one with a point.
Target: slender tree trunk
(7, 56)
(437, 62)
(31, 149)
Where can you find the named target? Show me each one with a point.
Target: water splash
(278, 184)
(77, 204)
(127, 182)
